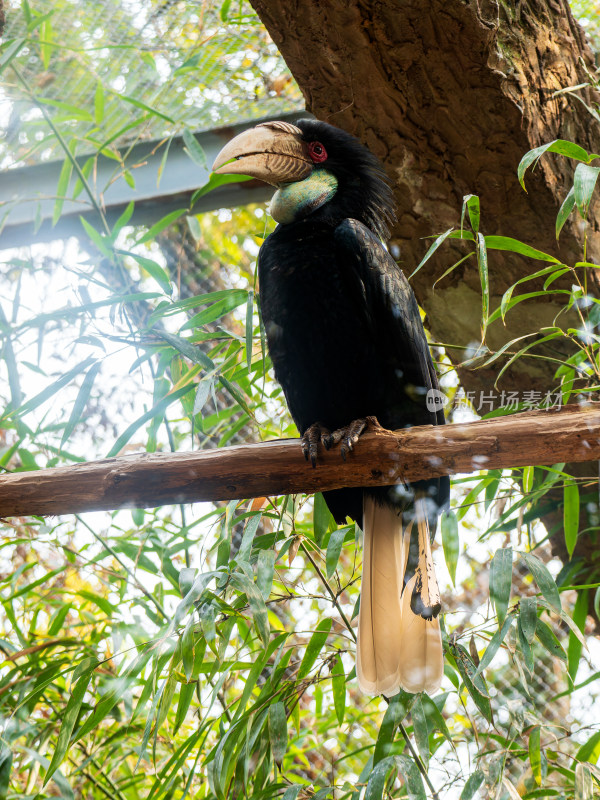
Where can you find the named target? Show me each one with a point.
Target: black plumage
(343, 326)
(346, 340)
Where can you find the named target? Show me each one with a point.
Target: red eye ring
(317, 152)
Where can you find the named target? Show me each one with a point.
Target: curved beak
(272, 152)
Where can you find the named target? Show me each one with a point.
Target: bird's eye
(317, 152)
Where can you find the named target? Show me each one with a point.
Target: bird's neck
(294, 201)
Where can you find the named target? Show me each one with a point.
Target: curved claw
(310, 441)
(349, 435)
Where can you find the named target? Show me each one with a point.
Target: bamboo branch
(382, 457)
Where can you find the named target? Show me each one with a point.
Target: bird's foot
(310, 441)
(350, 434)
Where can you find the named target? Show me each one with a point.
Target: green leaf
(510, 245)
(378, 778)
(202, 394)
(6, 759)
(565, 210)
(313, 648)
(338, 687)
(138, 104)
(528, 473)
(473, 783)
(399, 706)
(473, 681)
(155, 271)
(548, 639)
(159, 226)
(322, 518)
(544, 580)
(413, 782)
(54, 387)
(450, 542)
(278, 731)
(69, 718)
(232, 299)
(214, 182)
(265, 569)
(584, 183)
(571, 514)
(194, 149)
(123, 220)
(575, 645)
(440, 240)
(81, 401)
(420, 729)
(61, 189)
(471, 204)
(584, 783)
(590, 750)
(99, 103)
(256, 603)
(565, 148)
(535, 754)
(187, 349)
(155, 412)
(528, 617)
(495, 642)
(243, 553)
(249, 328)
(501, 581)
(334, 548)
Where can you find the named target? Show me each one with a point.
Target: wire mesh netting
(94, 65)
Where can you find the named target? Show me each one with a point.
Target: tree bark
(451, 95)
(381, 458)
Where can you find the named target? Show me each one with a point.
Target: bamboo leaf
(584, 183)
(548, 639)
(450, 542)
(338, 686)
(565, 210)
(571, 514)
(6, 760)
(313, 648)
(528, 617)
(81, 401)
(439, 240)
(399, 706)
(535, 754)
(278, 731)
(584, 783)
(159, 226)
(544, 580)
(501, 581)
(334, 548)
(495, 643)
(256, 603)
(194, 149)
(473, 783)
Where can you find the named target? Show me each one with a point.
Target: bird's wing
(392, 302)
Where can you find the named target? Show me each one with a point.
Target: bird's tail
(399, 639)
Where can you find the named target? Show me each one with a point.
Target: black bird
(347, 344)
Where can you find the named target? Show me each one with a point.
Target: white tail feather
(378, 651)
(396, 648)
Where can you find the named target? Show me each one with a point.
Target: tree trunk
(450, 95)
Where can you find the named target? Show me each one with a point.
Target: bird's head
(317, 169)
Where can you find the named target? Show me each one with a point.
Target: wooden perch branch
(381, 457)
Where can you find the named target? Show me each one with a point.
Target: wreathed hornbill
(347, 344)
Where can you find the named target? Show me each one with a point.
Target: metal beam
(28, 194)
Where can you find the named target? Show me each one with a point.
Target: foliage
(209, 652)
